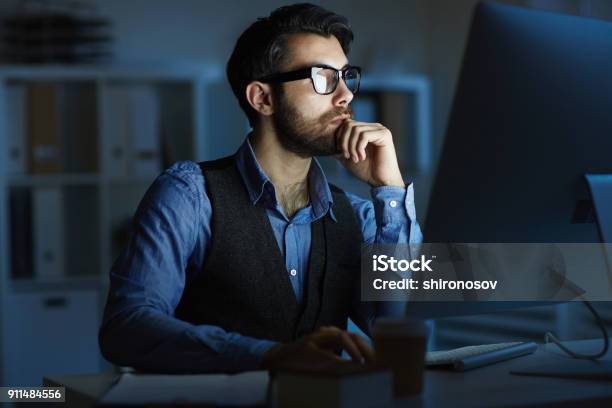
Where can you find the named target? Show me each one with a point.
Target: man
(252, 261)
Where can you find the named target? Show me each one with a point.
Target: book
(343, 386)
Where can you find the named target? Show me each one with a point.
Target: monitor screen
(530, 118)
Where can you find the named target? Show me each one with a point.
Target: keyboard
(466, 358)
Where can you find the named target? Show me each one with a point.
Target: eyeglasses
(324, 78)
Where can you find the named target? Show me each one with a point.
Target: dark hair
(261, 48)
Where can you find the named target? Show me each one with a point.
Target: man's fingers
(357, 136)
(344, 134)
(331, 356)
(364, 347)
(351, 348)
(364, 139)
(328, 339)
(343, 138)
(333, 338)
(369, 136)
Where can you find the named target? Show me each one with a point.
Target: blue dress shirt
(170, 240)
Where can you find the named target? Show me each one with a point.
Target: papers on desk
(246, 389)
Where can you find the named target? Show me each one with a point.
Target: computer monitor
(531, 116)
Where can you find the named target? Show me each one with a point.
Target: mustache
(337, 112)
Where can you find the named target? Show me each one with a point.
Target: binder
(48, 217)
(144, 130)
(43, 127)
(131, 116)
(115, 122)
(16, 98)
(20, 210)
(79, 128)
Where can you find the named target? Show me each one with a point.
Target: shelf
(62, 72)
(34, 180)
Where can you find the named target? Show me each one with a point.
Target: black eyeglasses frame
(310, 72)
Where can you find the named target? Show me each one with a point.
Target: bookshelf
(81, 146)
(102, 135)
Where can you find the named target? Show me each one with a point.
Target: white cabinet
(52, 332)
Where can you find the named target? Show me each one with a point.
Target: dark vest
(244, 286)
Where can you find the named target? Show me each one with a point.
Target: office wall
(206, 31)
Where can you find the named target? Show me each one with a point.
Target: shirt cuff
(237, 352)
(392, 204)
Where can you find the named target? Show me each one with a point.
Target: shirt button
(393, 203)
(293, 272)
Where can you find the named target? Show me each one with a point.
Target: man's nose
(342, 96)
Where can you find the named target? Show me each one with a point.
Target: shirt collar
(256, 180)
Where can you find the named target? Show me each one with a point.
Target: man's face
(305, 121)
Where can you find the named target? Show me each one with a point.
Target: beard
(306, 137)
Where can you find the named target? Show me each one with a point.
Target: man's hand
(315, 351)
(367, 151)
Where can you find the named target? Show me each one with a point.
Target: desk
(491, 386)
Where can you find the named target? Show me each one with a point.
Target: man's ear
(259, 96)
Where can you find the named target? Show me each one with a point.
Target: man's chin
(304, 145)
(325, 146)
